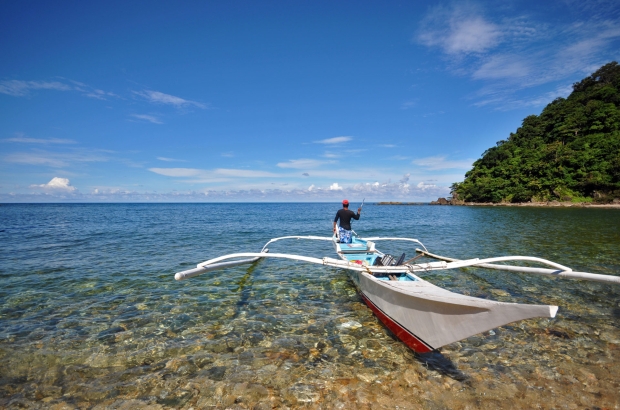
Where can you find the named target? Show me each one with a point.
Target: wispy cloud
(245, 173)
(510, 103)
(92, 92)
(502, 66)
(214, 173)
(509, 52)
(170, 159)
(54, 159)
(21, 138)
(177, 172)
(146, 117)
(335, 140)
(303, 163)
(158, 97)
(440, 163)
(20, 88)
(460, 29)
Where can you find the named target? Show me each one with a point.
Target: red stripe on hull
(403, 334)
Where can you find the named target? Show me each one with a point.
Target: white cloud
(57, 184)
(18, 88)
(245, 173)
(350, 174)
(440, 163)
(170, 159)
(503, 104)
(161, 98)
(214, 173)
(512, 52)
(335, 140)
(372, 191)
(98, 94)
(424, 186)
(177, 172)
(302, 163)
(53, 159)
(36, 159)
(331, 155)
(459, 30)
(21, 138)
(502, 66)
(149, 118)
(472, 35)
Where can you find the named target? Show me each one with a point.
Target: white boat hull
(426, 317)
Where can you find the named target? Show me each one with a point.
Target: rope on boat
(567, 273)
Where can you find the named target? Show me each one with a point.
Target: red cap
(345, 202)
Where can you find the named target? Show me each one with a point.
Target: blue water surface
(90, 313)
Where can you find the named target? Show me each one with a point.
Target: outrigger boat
(422, 315)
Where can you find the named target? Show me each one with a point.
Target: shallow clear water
(91, 316)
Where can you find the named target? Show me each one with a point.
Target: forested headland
(570, 152)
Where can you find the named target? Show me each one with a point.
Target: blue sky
(277, 101)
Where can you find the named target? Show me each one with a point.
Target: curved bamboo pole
(562, 273)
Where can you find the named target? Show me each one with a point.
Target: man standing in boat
(344, 232)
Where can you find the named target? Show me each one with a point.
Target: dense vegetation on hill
(571, 151)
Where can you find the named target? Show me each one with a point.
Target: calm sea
(91, 316)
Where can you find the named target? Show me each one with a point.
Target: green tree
(572, 149)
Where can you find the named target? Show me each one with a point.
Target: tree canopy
(571, 151)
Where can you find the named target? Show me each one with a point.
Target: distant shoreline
(553, 204)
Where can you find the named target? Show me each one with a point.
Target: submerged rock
(351, 324)
(216, 373)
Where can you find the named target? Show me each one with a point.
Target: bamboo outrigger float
(422, 315)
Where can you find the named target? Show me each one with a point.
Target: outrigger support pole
(569, 274)
(190, 273)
